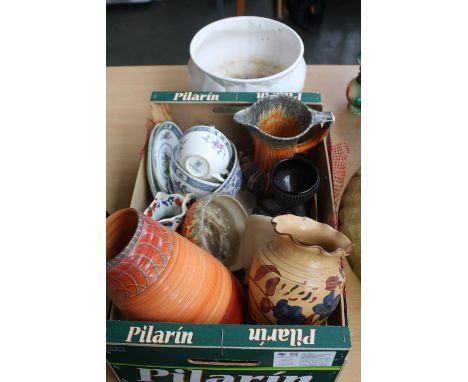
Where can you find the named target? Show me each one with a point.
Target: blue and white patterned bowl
(233, 183)
(183, 182)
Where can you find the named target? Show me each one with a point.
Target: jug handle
(325, 119)
(312, 142)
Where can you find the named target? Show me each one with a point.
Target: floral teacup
(205, 152)
(170, 209)
(184, 183)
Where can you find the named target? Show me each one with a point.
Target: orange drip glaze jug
(278, 123)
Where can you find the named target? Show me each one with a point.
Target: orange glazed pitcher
(277, 123)
(154, 274)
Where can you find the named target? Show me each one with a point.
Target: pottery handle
(325, 119)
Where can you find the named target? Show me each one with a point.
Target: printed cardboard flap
(270, 337)
(135, 347)
(214, 97)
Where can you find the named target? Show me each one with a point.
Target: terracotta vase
(278, 123)
(298, 277)
(154, 274)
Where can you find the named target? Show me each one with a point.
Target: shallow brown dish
(216, 223)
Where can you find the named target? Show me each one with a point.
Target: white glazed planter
(266, 53)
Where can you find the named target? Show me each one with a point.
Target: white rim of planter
(253, 80)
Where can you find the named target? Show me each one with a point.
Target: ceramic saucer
(149, 167)
(166, 138)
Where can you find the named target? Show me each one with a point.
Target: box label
(303, 359)
(215, 97)
(144, 373)
(227, 337)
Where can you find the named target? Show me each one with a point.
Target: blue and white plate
(166, 137)
(149, 167)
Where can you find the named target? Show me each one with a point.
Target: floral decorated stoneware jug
(298, 277)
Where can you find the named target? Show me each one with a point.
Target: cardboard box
(153, 351)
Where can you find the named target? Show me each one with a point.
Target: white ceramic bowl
(182, 182)
(204, 152)
(232, 185)
(247, 54)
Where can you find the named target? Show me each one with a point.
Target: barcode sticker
(303, 359)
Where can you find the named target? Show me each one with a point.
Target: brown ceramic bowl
(216, 223)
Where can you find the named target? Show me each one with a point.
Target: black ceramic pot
(294, 181)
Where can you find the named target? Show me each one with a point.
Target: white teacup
(205, 152)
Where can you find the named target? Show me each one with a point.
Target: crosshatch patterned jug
(154, 274)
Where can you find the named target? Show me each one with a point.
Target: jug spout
(307, 234)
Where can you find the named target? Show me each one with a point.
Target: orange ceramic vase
(154, 274)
